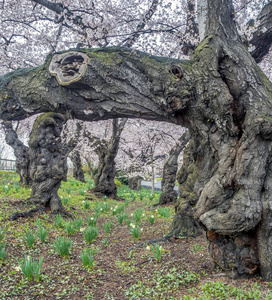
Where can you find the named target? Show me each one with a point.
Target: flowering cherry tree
(220, 94)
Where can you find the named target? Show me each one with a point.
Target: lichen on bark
(48, 161)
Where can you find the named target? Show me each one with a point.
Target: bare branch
(130, 41)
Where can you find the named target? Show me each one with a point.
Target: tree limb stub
(69, 67)
(99, 84)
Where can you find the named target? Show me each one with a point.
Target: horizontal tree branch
(99, 84)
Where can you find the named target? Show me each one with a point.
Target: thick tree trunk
(20, 152)
(170, 169)
(104, 179)
(221, 96)
(134, 183)
(231, 127)
(77, 166)
(48, 160)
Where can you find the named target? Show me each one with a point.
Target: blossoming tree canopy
(220, 95)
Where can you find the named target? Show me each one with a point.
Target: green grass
(75, 267)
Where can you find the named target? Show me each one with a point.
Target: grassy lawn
(94, 255)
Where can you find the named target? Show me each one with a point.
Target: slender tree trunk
(170, 169)
(104, 179)
(48, 160)
(77, 166)
(152, 174)
(90, 167)
(20, 152)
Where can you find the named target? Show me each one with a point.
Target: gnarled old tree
(170, 169)
(48, 160)
(77, 166)
(107, 151)
(20, 152)
(70, 137)
(221, 95)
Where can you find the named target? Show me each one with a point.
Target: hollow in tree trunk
(77, 166)
(20, 152)
(48, 161)
(170, 169)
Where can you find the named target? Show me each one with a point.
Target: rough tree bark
(231, 126)
(262, 37)
(104, 179)
(20, 152)
(222, 96)
(170, 169)
(134, 183)
(77, 170)
(48, 161)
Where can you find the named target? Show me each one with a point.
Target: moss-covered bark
(134, 183)
(107, 151)
(77, 166)
(48, 161)
(170, 169)
(116, 77)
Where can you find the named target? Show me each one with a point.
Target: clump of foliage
(31, 268)
(91, 221)
(2, 233)
(137, 215)
(135, 230)
(90, 233)
(151, 219)
(78, 223)
(164, 211)
(107, 227)
(69, 228)
(58, 220)
(121, 218)
(29, 238)
(157, 251)
(3, 251)
(86, 204)
(62, 246)
(65, 200)
(87, 257)
(42, 232)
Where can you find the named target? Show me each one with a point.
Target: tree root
(41, 209)
(26, 214)
(64, 213)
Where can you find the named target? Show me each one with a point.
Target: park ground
(123, 267)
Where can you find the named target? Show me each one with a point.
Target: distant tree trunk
(20, 152)
(77, 166)
(152, 174)
(90, 167)
(104, 179)
(134, 183)
(48, 160)
(170, 169)
(184, 223)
